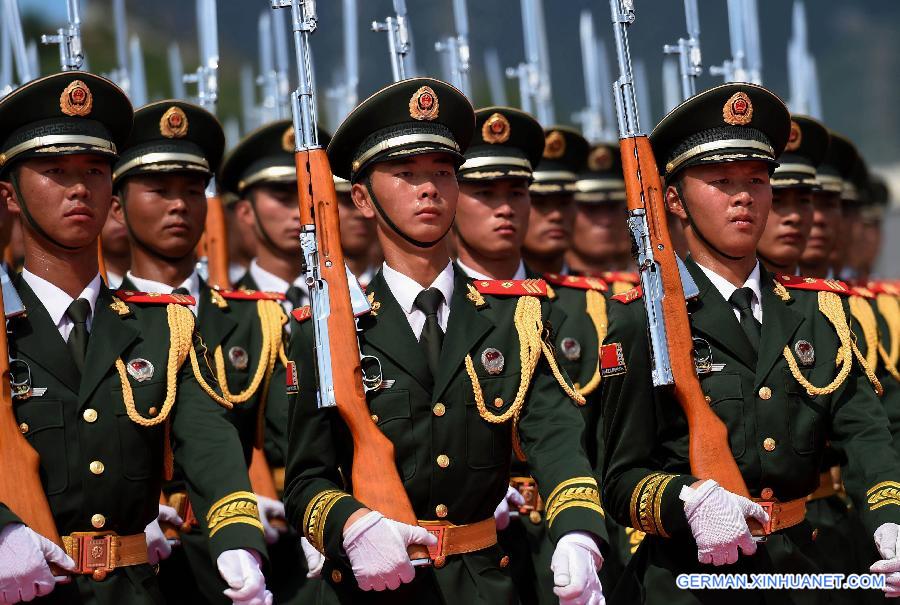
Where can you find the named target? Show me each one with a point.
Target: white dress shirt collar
(726, 288)
(519, 274)
(269, 282)
(191, 284)
(405, 290)
(56, 301)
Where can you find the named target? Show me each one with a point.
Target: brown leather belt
(782, 514)
(459, 539)
(826, 488)
(98, 553)
(527, 487)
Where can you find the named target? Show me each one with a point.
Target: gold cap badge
(496, 129)
(738, 110)
(600, 159)
(76, 99)
(423, 105)
(174, 123)
(795, 137)
(554, 145)
(287, 139)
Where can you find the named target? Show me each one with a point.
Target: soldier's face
(114, 237)
(419, 194)
(550, 224)
(68, 196)
(788, 227)
(165, 212)
(357, 231)
(492, 216)
(824, 232)
(277, 216)
(601, 232)
(729, 202)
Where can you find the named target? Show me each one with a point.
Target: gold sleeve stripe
(317, 513)
(883, 494)
(576, 492)
(237, 507)
(646, 503)
(567, 483)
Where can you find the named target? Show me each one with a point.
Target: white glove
(575, 563)
(241, 571)
(158, 546)
(376, 547)
(718, 520)
(270, 509)
(24, 572)
(512, 499)
(887, 539)
(314, 559)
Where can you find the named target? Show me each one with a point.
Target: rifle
(494, 74)
(596, 81)
(802, 71)
(343, 96)
(20, 482)
(71, 53)
(456, 49)
(745, 64)
(534, 73)
(665, 280)
(121, 74)
(138, 92)
(399, 44)
(342, 373)
(176, 71)
(14, 48)
(690, 65)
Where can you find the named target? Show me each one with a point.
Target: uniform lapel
(465, 327)
(780, 322)
(712, 317)
(389, 332)
(213, 323)
(35, 336)
(110, 336)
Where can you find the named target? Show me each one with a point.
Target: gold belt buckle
(771, 509)
(94, 553)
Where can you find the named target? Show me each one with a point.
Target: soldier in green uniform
(358, 241)
(109, 385)
(552, 216)
(160, 181)
(766, 349)
(457, 397)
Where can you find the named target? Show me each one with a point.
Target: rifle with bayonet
(690, 65)
(343, 375)
(456, 49)
(596, 83)
(534, 73)
(71, 52)
(399, 41)
(745, 64)
(665, 281)
(343, 95)
(14, 49)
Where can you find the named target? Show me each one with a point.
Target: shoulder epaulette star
(301, 314)
(884, 287)
(797, 282)
(576, 281)
(625, 276)
(251, 295)
(630, 296)
(155, 298)
(511, 287)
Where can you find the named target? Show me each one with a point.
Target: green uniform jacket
(777, 434)
(426, 417)
(68, 439)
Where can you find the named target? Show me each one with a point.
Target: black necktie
(295, 295)
(428, 302)
(181, 290)
(78, 312)
(741, 298)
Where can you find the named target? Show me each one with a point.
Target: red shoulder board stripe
(302, 314)
(625, 276)
(511, 287)
(630, 296)
(155, 298)
(884, 287)
(798, 282)
(576, 281)
(251, 295)
(862, 291)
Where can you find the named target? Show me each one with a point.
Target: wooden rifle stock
(101, 264)
(262, 483)
(376, 482)
(20, 482)
(215, 243)
(709, 452)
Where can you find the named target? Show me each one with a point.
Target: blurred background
(855, 45)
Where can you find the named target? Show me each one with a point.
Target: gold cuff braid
(579, 492)
(883, 494)
(646, 503)
(236, 507)
(317, 513)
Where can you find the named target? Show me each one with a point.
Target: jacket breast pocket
(806, 415)
(395, 421)
(141, 446)
(726, 398)
(47, 435)
(488, 444)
